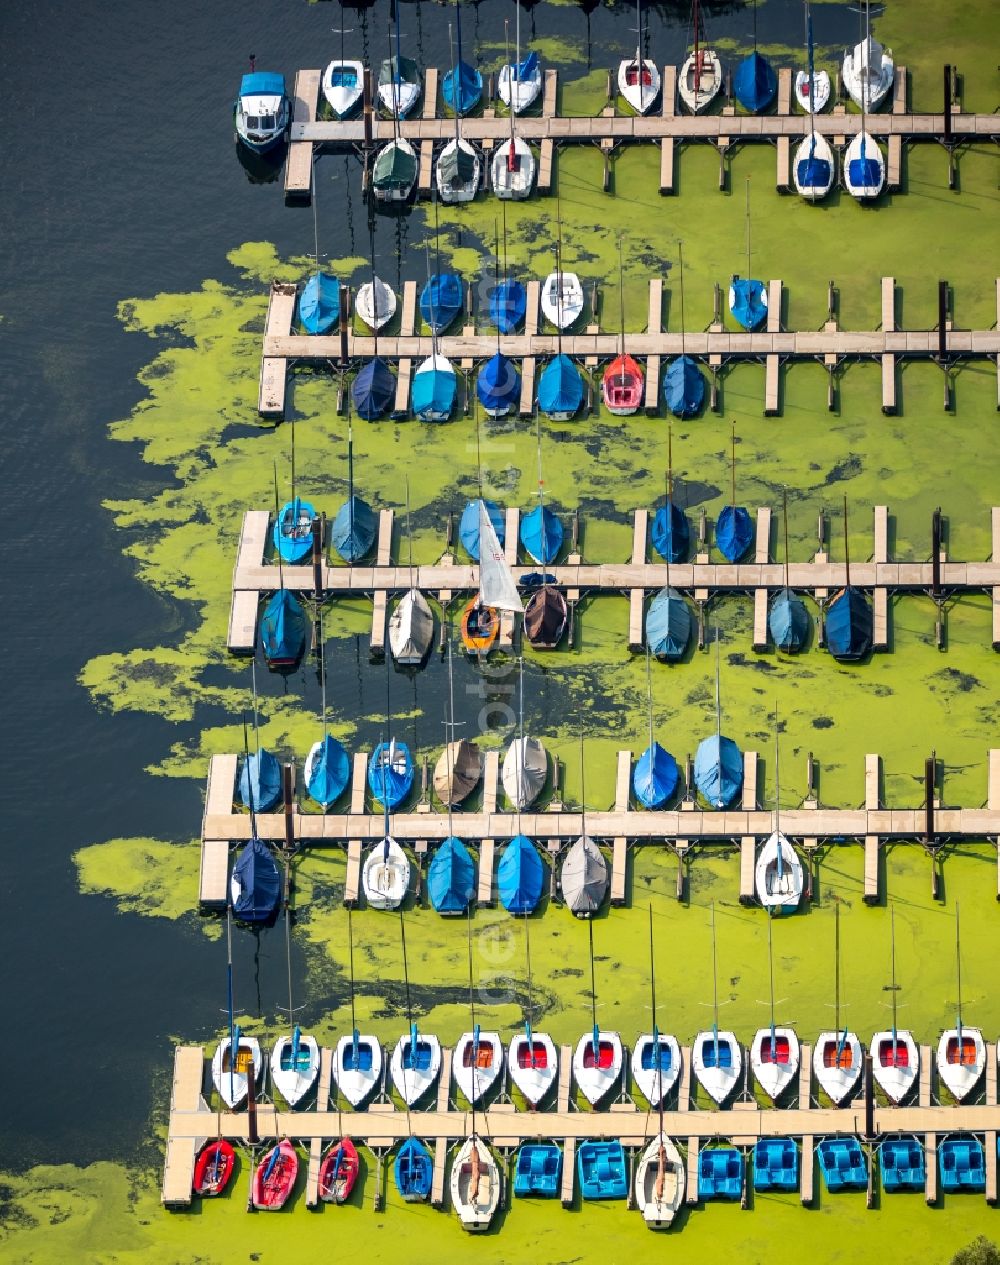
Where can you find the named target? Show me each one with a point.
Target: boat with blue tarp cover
(842, 1163)
(560, 389)
(354, 529)
(441, 300)
(462, 87)
(718, 763)
(373, 389)
(255, 885)
(413, 1170)
(451, 877)
(849, 625)
(498, 385)
(283, 628)
(787, 619)
(468, 527)
(261, 113)
(292, 530)
(319, 303)
(901, 1164)
(720, 1173)
(748, 302)
(260, 780)
(962, 1164)
(754, 82)
(668, 625)
(434, 388)
(683, 387)
(390, 773)
(520, 876)
(541, 535)
(327, 771)
(655, 777)
(601, 1168)
(508, 304)
(670, 533)
(538, 1172)
(775, 1164)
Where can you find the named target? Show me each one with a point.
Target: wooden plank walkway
(383, 557)
(299, 160)
(491, 777)
(637, 596)
(619, 846)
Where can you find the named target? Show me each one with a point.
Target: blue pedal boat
(539, 1170)
(962, 1164)
(601, 1169)
(901, 1164)
(842, 1163)
(720, 1173)
(775, 1164)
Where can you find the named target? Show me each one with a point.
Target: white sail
(496, 584)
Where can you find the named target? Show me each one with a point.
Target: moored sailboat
(638, 76)
(656, 1056)
(598, 1056)
(357, 1058)
(774, 1053)
(812, 86)
(778, 874)
(514, 163)
(718, 762)
(411, 624)
(701, 74)
(457, 170)
(520, 83)
(895, 1056)
(497, 592)
(868, 71)
(531, 1056)
(716, 1057)
(838, 1056)
(338, 1171)
(622, 383)
(274, 1177)
(849, 621)
(961, 1051)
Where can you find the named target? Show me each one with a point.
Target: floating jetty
(609, 130)
(716, 346)
(821, 578)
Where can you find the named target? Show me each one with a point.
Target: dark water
(120, 179)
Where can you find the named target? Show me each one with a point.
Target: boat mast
(355, 1035)
(256, 728)
(718, 696)
(958, 965)
(277, 519)
(595, 1036)
(516, 75)
(680, 260)
(527, 1014)
(748, 207)
(409, 535)
(621, 310)
(496, 279)
(812, 82)
(450, 733)
(784, 519)
(506, 42)
(732, 469)
(638, 56)
(842, 1037)
(715, 993)
(350, 473)
(847, 550)
(559, 276)
(697, 57)
(541, 506)
(649, 705)
(457, 93)
(519, 762)
(409, 1021)
(475, 1036)
(434, 318)
(656, 1029)
(233, 1038)
(892, 932)
(397, 80)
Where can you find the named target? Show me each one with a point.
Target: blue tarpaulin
(788, 621)
(560, 389)
(283, 629)
(330, 772)
(655, 777)
(813, 172)
(292, 532)
(748, 302)
(865, 173)
(470, 88)
(354, 529)
(498, 384)
(526, 68)
(755, 83)
(374, 389)
(671, 532)
(683, 387)
(255, 886)
(508, 304)
(520, 876)
(734, 532)
(668, 625)
(441, 300)
(319, 303)
(433, 391)
(718, 770)
(390, 779)
(541, 535)
(849, 625)
(451, 877)
(262, 83)
(468, 528)
(261, 774)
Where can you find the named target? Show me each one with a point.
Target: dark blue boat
(541, 535)
(720, 1173)
(734, 532)
(601, 1169)
(414, 1170)
(560, 389)
(441, 300)
(498, 385)
(468, 527)
(683, 387)
(842, 1163)
(748, 302)
(755, 83)
(354, 529)
(962, 1164)
(451, 877)
(775, 1164)
(390, 773)
(655, 777)
(539, 1170)
(901, 1164)
(283, 628)
(718, 770)
(260, 781)
(508, 304)
(849, 625)
(319, 303)
(671, 532)
(668, 625)
(373, 389)
(255, 885)
(327, 772)
(520, 876)
(788, 621)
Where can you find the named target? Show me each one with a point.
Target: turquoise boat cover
(469, 88)
(386, 782)
(441, 300)
(718, 770)
(319, 303)
(330, 773)
(283, 629)
(354, 529)
(451, 877)
(508, 304)
(748, 303)
(788, 621)
(541, 535)
(683, 387)
(262, 83)
(560, 389)
(468, 527)
(849, 625)
(671, 533)
(256, 875)
(260, 781)
(655, 777)
(520, 876)
(755, 83)
(498, 384)
(734, 532)
(668, 625)
(433, 393)
(373, 389)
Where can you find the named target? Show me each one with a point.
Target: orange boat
(480, 628)
(622, 385)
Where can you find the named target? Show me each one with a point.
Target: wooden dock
(716, 345)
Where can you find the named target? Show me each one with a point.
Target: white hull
(475, 1211)
(961, 1077)
(393, 193)
(641, 96)
(838, 1081)
(517, 183)
(443, 365)
(718, 1082)
(655, 1083)
(709, 81)
(896, 1082)
(659, 1208)
(342, 99)
(870, 188)
(778, 888)
(250, 128)
(448, 192)
(294, 1083)
(533, 1082)
(398, 98)
(525, 91)
(817, 100)
(357, 1083)
(525, 769)
(232, 1089)
(412, 1083)
(818, 147)
(405, 642)
(386, 880)
(375, 314)
(597, 1082)
(476, 1082)
(562, 309)
(868, 74)
(774, 1077)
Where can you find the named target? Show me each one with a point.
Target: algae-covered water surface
(151, 409)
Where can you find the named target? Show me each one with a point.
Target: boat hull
(775, 1065)
(961, 1063)
(698, 91)
(213, 1168)
(718, 1075)
(295, 1082)
(274, 1177)
(476, 1066)
(338, 1171)
(639, 83)
(232, 1089)
(562, 303)
(343, 86)
(475, 1200)
(525, 771)
(457, 191)
(480, 628)
(358, 1079)
(653, 1078)
(597, 1074)
(534, 1080)
(868, 183)
(386, 879)
(398, 98)
(376, 315)
(838, 1073)
(513, 179)
(411, 630)
(815, 101)
(521, 93)
(413, 1080)
(779, 886)
(868, 80)
(622, 386)
(659, 1194)
(815, 147)
(895, 1063)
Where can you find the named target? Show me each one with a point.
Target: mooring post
(947, 105)
(576, 530)
(936, 553)
(318, 536)
(831, 301)
(286, 795)
(368, 106)
(344, 310)
(869, 1099)
(450, 536)
(942, 320)
(810, 776)
(253, 1137)
(930, 778)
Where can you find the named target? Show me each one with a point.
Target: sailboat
(521, 871)
(560, 387)
(895, 1056)
(477, 1059)
(961, 1052)
(656, 775)
(457, 172)
(328, 766)
(357, 1058)
(868, 69)
(659, 1182)
(376, 305)
(354, 526)
(283, 622)
(718, 763)
(262, 110)
(668, 624)
(755, 84)
(531, 1056)
(434, 383)
(497, 592)
(292, 530)
(213, 1168)
(416, 1057)
(734, 529)
(701, 74)
(774, 1053)
(683, 384)
(849, 623)
(656, 1056)
(584, 874)
(598, 1057)
(411, 624)
(231, 1076)
(468, 526)
(399, 83)
(525, 765)
(385, 874)
(814, 165)
(498, 383)
(622, 383)
(462, 88)
(254, 884)
(717, 1057)
(451, 875)
(639, 77)
(513, 163)
(508, 298)
(319, 303)
(519, 84)
(562, 292)
(274, 1177)
(748, 297)
(864, 165)
(294, 1058)
(778, 874)
(260, 777)
(546, 613)
(343, 83)
(338, 1171)
(812, 86)
(787, 619)
(838, 1058)
(670, 533)
(394, 172)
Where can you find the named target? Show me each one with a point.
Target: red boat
(213, 1168)
(338, 1171)
(275, 1177)
(622, 385)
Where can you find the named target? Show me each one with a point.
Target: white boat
(375, 303)
(394, 172)
(411, 629)
(562, 298)
(895, 1062)
(295, 1066)
(519, 82)
(525, 771)
(343, 85)
(415, 1065)
(717, 1062)
(475, 1185)
(813, 94)
(457, 171)
(638, 77)
(659, 1183)
(435, 410)
(701, 74)
(778, 874)
(837, 1061)
(864, 168)
(385, 875)
(357, 1063)
(961, 1060)
(774, 1057)
(231, 1082)
(476, 1063)
(513, 169)
(814, 167)
(868, 73)
(534, 1064)
(656, 1065)
(597, 1068)
(262, 111)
